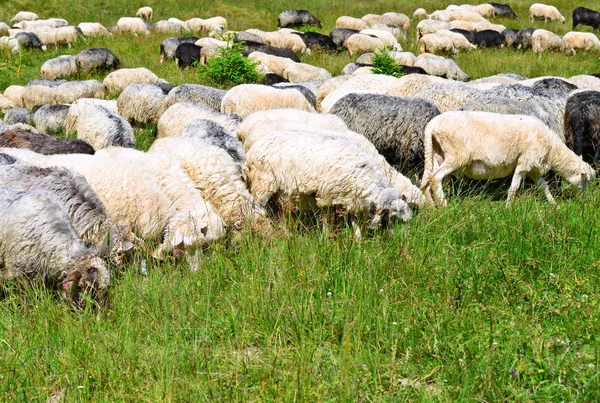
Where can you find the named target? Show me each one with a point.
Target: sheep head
(88, 275)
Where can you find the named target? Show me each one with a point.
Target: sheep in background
(87, 213)
(437, 44)
(339, 36)
(362, 43)
(248, 98)
(542, 11)
(303, 72)
(585, 16)
(118, 80)
(485, 145)
(17, 115)
(582, 124)
(420, 14)
(93, 29)
(394, 125)
(398, 20)
(544, 41)
(29, 40)
(42, 143)
(314, 170)
(169, 46)
(168, 27)
(207, 25)
(351, 23)
(131, 25)
(503, 10)
(524, 38)
(281, 39)
(187, 54)
(217, 175)
(10, 45)
(51, 119)
(142, 103)
(386, 37)
(145, 13)
(296, 19)
(275, 64)
(582, 41)
(431, 26)
(316, 41)
(63, 93)
(101, 127)
(59, 67)
(198, 94)
(177, 116)
(24, 16)
(39, 241)
(96, 60)
(41, 24)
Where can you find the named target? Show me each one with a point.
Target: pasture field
(472, 302)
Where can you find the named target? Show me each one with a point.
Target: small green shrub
(308, 28)
(383, 63)
(230, 67)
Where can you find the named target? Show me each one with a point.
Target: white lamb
(131, 25)
(541, 11)
(93, 29)
(484, 145)
(586, 41)
(145, 13)
(248, 98)
(315, 170)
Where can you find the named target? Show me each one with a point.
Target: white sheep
(275, 64)
(465, 15)
(431, 26)
(542, 11)
(282, 39)
(386, 37)
(303, 72)
(215, 173)
(5, 104)
(398, 20)
(145, 13)
(59, 67)
(168, 27)
(362, 43)
(458, 40)
(142, 103)
(14, 93)
(39, 241)
(93, 29)
(248, 98)
(23, 16)
(484, 145)
(351, 23)
(485, 10)
(315, 170)
(586, 41)
(441, 67)
(437, 44)
(118, 80)
(81, 103)
(420, 14)
(65, 93)
(101, 127)
(208, 25)
(131, 25)
(177, 116)
(545, 41)
(11, 45)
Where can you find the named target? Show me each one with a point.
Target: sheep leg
(435, 182)
(544, 185)
(515, 185)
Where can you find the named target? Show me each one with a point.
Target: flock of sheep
(303, 140)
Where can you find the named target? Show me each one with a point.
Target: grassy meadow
(472, 302)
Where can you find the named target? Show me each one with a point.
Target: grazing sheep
(17, 115)
(459, 41)
(131, 25)
(59, 67)
(142, 103)
(544, 41)
(42, 143)
(503, 10)
(309, 92)
(274, 64)
(93, 29)
(272, 78)
(145, 13)
(177, 116)
(51, 119)
(39, 241)
(386, 37)
(41, 24)
(582, 41)
(208, 25)
(217, 135)
(465, 15)
(169, 46)
(95, 60)
(488, 38)
(215, 173)
(395, 125)
(118, 80)
(585, 16)
(168, 27)
(198, 94)
(296, 19)
(248, 98)
(5, 104)
(437, 44)
(420, 14)
(29, 40)
(41, 93)
(315, 170)
(87, 213)
(303, 72)
(339, 36)
(14, 95)
(524, 38)
(187, 54)
(101, 127)
(67, 35)
(351, 23)
(511, 37)
(10, 45)
(362, 43)
(484, 145)
(397, 20)
(541, 11)
(24, 16)
(82, 103)
(286, 40)
(431, 26)
(582, 124)
(485, 10)
(441, 67)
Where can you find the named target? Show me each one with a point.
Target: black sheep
(582, 124)
(296, 19)
(187, 54)
(585, 16)
(503, 10)
(488, 38)
(316, 41)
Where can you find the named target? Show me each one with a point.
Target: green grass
(443, 310)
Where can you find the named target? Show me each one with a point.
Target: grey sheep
(216, 135)
(553, 84)
(198, 94)
(51, 119)
(42, 143)
(87, 213)
(296, 19)
(169, 45)
(29, 40)
(395, 125)
(340, 35)
(18, 115)
(96, 59)
(39, 242)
